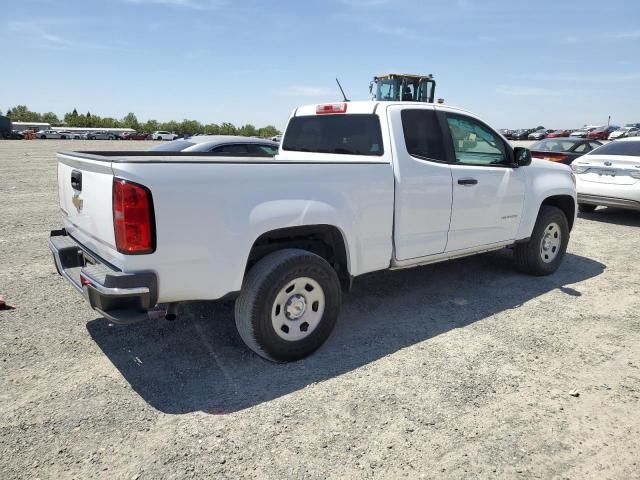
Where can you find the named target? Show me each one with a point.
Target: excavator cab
(403, 88)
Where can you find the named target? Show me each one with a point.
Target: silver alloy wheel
(550, 243)
(297, 309)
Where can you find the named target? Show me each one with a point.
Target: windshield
(388, 90)
(354, 134)
(175, 146)
(552, 145)
(619, 147)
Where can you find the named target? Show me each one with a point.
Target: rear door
(85, 196)
(423, 182)
(488, 192)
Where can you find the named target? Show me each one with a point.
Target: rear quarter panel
(208, 215)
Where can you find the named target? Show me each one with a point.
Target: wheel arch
(326, 241)
(566, 203)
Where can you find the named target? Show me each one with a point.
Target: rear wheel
(543, 253)
(288, 305)
(43, 137)
(586, 207)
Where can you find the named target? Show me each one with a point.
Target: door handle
(467, 182)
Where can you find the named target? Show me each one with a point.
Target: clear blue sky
(560, 63)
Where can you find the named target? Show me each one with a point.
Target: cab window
(474, 143)
(231, 149)
(262, 150)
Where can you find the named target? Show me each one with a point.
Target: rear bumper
(609, 201)
(121, 297)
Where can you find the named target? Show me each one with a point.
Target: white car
(624, 132)
(609, 176)
(50, 134)
(161, 135)
(356, 187)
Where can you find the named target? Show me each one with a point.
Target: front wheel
(543, 253)
(288, 305)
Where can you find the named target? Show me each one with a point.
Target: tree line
(21, 113)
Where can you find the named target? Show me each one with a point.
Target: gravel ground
(458, 370)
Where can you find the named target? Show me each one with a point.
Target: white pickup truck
(356, 187)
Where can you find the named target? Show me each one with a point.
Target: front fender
(546, 180)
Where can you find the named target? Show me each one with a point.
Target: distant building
(21, 126)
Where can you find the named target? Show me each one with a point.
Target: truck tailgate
(85, 196)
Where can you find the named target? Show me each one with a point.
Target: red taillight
(133, 220)
(331, 108)
(552, 157)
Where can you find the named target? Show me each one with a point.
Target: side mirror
(522, 156)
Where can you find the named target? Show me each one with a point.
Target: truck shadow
(614, 216)
(199, 363)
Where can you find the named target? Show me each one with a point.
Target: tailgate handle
(76, 180)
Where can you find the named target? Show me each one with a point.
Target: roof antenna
(342, 91)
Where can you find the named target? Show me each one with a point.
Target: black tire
(43, 137)
(63, 137)
(529, 256)
(260, 289)
(586, 207)
(112, 138)
(92, 138)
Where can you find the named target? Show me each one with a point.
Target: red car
(601, 133)
(134, 136)
(559, 133)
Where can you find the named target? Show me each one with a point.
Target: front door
(488, 192)
(423, 192)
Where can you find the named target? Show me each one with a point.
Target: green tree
(212, 129)
(130, 121)
(228, 129)
(247, 130)
(150, 126)
(189, 127)
(21, 113)
(268, 131)
(51, 118)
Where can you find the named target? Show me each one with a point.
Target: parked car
(134, 136)
(290, 235)
(161, 135)
(609, 176)
(562, 150)
(15, 135)
(67, 135)
(624, 132)
(507, 133)
(559, 134)
(221, 145)
(633, 125)
(521, 134)
(276, 138)
(100, 135)
(601, 133)
(583, 132)
(538, 135)
(49, 135)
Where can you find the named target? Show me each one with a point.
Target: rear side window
(619, 148)
(422, 134)
(357, 134)
(259, 149)
(231, 149)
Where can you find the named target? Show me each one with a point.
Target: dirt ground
(458, 370)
